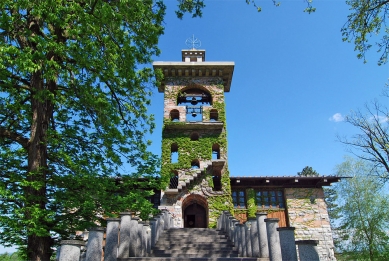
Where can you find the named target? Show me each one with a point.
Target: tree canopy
(372, 141)
(308, 172)
(363, 208)
(367, 21)
(74, 91)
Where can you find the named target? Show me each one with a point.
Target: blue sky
(292, 74)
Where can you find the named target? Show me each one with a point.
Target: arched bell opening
(195, 212)
(194, 98)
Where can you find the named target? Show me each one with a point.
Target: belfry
(194, 139)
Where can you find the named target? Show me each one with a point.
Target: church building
(195, 163)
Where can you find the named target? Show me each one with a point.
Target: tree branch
(4, 133)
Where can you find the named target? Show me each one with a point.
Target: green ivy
(201, 149)
(250, 199)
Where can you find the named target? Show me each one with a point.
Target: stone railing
(262, 238)
(126, 236)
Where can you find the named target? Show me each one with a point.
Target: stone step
(194, 240)
(193, 259)
(191, 243)
(195, 232)
(192, 246)
(200, 252)
(205, 235)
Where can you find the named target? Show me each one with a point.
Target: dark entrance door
(195, 216)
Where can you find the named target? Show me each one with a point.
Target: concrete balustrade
(70, 250)
(165, 219)
(287, 241)
(273, 239)
(262, 232)
(124, 237)
(248, 238)
(234, 229)
(112, 239)
(308, 250)
(94, 248)
(134, 238)
(147, 238)
(141, 244)
(153, 227)
(218, 222)
(254, 237)
(239, 239)
(228, 223)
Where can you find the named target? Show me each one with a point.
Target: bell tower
(194, 167)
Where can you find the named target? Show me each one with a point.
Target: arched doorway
(195, 212)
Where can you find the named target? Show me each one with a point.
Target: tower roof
(193, 64)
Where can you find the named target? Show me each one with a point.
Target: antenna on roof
(193, 43)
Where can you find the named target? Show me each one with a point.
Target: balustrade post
(112, 239)
(273, 239)
(70, 250)
(288, 245)
(124, 236)
(308, 250)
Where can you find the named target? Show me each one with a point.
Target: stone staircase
(193, 244)
(191, 176)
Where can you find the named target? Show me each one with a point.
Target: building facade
(195, 163)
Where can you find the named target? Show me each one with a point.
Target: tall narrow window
(174, 115)
(174, 153)
(174, 180)
(195, 164)
(216, 178)
(213, 115)
(238, 199)
(215, 151)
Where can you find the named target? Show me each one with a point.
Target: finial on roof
(193, 43)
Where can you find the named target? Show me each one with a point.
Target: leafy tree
(74, 93)
(308, 172)
(194, 7)
(364, 208)
(367, 18)
(372, 143)
(10, 257)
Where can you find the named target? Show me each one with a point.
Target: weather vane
(193, 42)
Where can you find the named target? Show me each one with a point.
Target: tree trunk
(38, 245)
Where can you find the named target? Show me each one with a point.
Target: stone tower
(194, 139)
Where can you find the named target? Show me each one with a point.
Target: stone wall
(195, 182)
(307, 212)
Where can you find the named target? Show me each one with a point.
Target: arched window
(195, 164)
(174, 180)
(174, 153)
(174, 115)
(194, 136)
(215, 151)
(216, 178)
(213, 115)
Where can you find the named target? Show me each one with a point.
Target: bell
(194, 114)
(193, 101)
